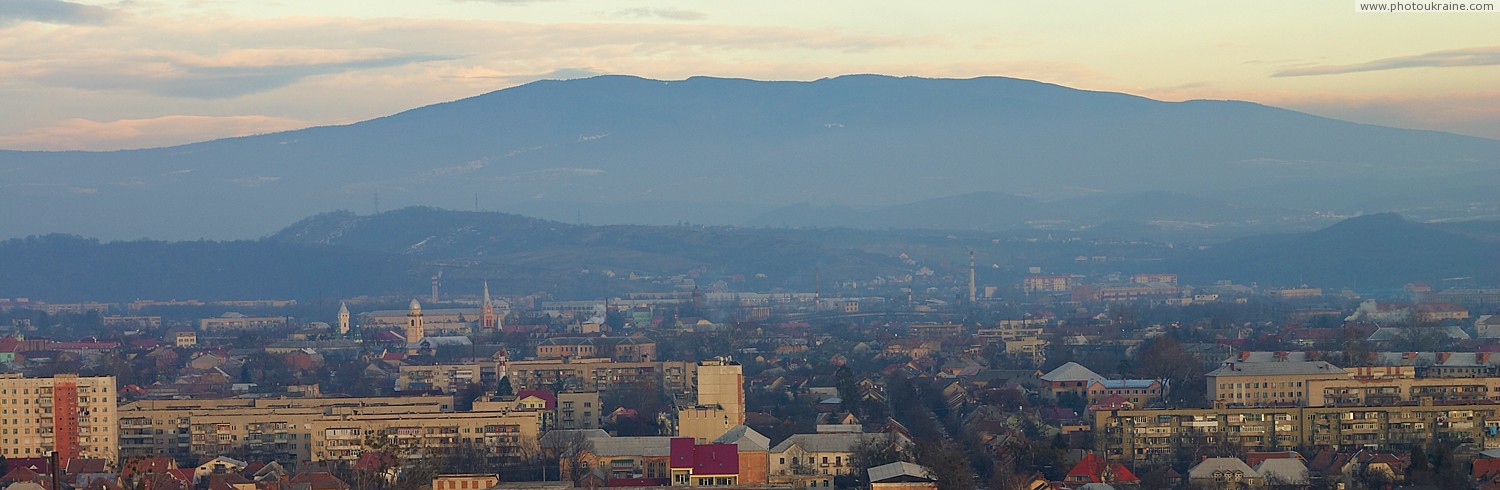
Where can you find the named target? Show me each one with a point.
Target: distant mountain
(1158, 215)
(618, 149)
(1374, 251)
(342, 254)
(526, 252)
(62, 268)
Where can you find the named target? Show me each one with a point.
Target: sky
(105, 75)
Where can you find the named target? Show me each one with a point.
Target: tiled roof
(746, 438)
(1071, 372)
(1209, 466)
(900, 469)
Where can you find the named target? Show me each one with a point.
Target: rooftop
(1289, 368)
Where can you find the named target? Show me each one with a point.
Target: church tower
(343, 319)
(414, 328)
(487, 312)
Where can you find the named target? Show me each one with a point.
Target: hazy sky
(137, 73)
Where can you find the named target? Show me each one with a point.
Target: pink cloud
(84, 134)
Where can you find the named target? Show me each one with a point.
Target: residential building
(183, 429)
(235, 321)
(820, 454)
(598, 374)
(935, 330)
(719, 404)
(901, 475)
(444, 378)
(1153, 436)
(465, 481)
(72, 415)
(1267, 383)
(1048, 284)
(622, 349)
(578, 410)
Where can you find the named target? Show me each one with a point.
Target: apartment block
(72, 415)
(1153, 436)
(264, 428)
(1268, 383)
(598, 374)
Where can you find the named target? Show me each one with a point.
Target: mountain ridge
(620, 146)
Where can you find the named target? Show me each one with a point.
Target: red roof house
(1094, 469)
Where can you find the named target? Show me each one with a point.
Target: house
(902, 476)
(466, 481)
(825, 454)
(754, 454)
(1284, 473)
(1094, 469)
(1068, 378)
(703, 465)
(218, 466)
(1224, 473)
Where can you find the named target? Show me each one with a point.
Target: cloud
(459, 169)
(84, 134)
(52, 12)
(550, 174)
(1482, 56)
(255, 181)
(1476, 114)
(518, 79)
(230, 74)
(661, 13)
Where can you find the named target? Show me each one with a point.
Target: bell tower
(343, 318)
(415, 331)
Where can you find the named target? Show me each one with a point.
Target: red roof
(545, 395)
(1255, 458)
(639, 482)
(1093, 469)
(704, 459)
(39, 465)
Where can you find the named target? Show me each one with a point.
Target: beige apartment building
(444, 378)
(1319, 384)
(233, 321)
(70, 414)
(1155, 435)
(262, 427)
(719, 404)
(1267, 383)
(597, 374)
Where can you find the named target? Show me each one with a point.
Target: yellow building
(720, 401)
(265, 428)
(598, 374)
(1267, 383)
(70, 414)
(1154, 436)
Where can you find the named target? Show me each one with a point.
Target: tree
(878, 450)
(571, 450)
(1164, 358)
(848, 389)
(1419, 472)
(503, 388)
(949, 463)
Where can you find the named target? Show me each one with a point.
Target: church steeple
(343, 318)
(487, 320)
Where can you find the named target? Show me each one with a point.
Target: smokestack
(973, 294)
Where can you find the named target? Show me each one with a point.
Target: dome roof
(415, 306)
